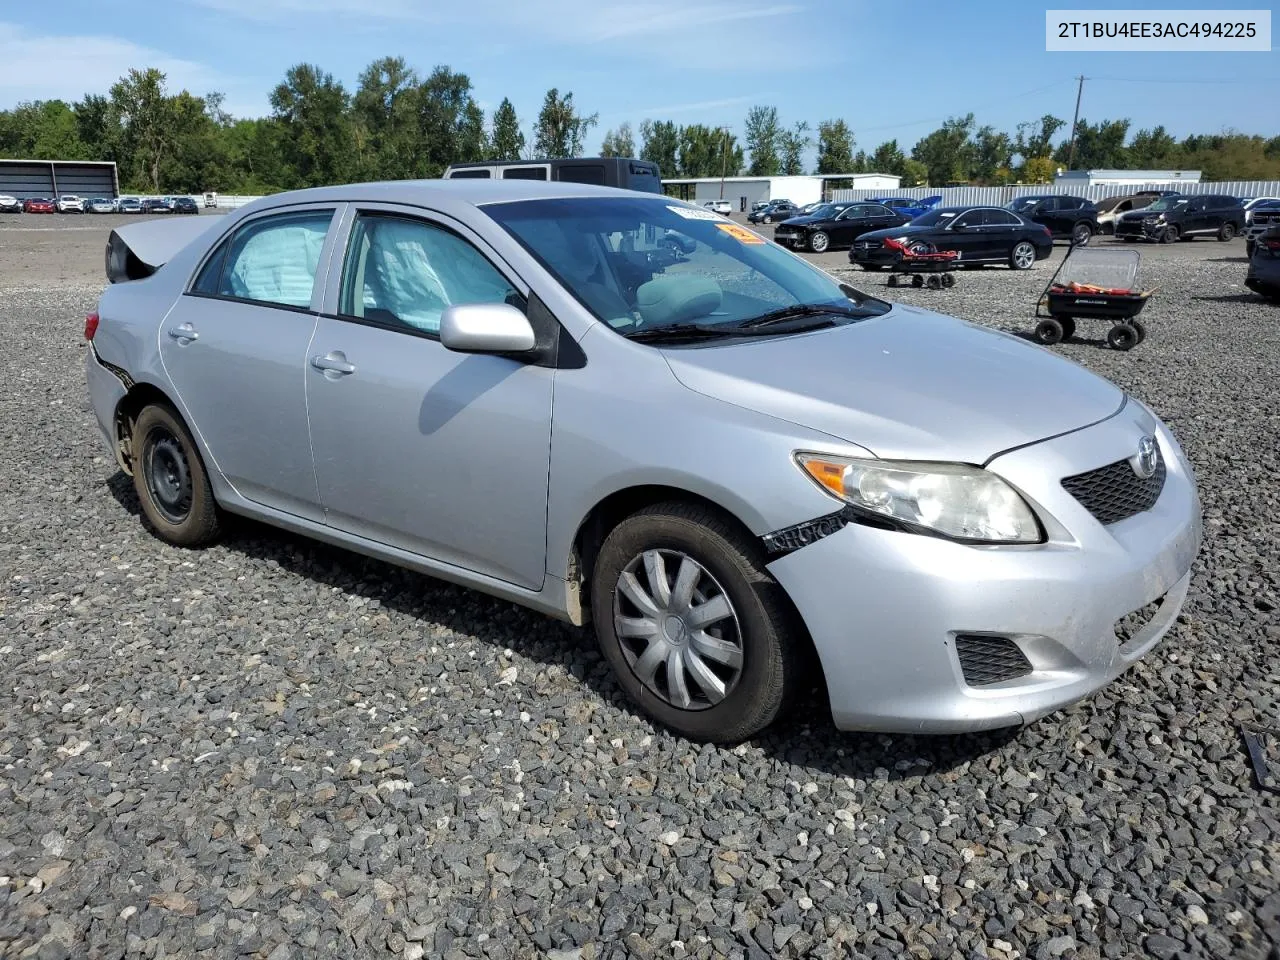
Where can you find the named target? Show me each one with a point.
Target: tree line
(400, 124)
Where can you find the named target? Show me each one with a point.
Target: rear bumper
(884, 608)
(105, 393)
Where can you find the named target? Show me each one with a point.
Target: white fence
(999, 196)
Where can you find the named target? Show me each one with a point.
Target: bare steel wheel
(677, 629)
(170, 479)
(698, 633)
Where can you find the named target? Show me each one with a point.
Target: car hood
(911, 384)
(902, 230)
(803, 221)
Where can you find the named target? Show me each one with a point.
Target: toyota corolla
(736, 468)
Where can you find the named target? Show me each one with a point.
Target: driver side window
(971, 219)
(402, 274)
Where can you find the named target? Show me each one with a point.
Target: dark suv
(776, 210)
(1068, 218)
(1184, 217)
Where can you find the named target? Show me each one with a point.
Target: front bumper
(874, 256)
(884, 608)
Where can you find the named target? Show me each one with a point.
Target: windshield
(933, 218)
(825, 210)
(1167, 203)
(641, 265)
(1022, 203)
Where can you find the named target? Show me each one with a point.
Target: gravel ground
(275, 749)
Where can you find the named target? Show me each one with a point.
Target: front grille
(985, 660)
(1132, 624)
(1114, 492)
(869, 244)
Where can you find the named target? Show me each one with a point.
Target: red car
(36, 205)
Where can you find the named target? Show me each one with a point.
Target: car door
(964, 234)
(1194, 217)
(438, 453)
(235, 348)
(1001, 231)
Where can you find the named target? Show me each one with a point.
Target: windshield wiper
(681, 333)
(799, 311)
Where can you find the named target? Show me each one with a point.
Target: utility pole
(724, 158)
(1075, 122)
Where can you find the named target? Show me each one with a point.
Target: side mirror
(486, 328)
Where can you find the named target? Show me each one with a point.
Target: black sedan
(776, 210)
(981, 235)
(835, 226)
(185, 205)
(1068, 218)
(1264, 265)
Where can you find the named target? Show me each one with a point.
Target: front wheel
(698, 633)
(1170, 234)
(1227, 232)
(819, 242)
(768, 219)
(1122, 337)
(1081, 234)
(170, 479)
(1049, 332)
(1139, 328)
(1022, 256)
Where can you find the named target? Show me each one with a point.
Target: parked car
(723, 207)
(1183, 217)
(1264, 264)
(185, 205)
(394, 328)
(129, 205)
(1252, 203)
(156, 205)
(70, 203)
(776, 210)
(39, 205)
(836, 226)
(1265, 216)
(759, 205)
(981, 235)
(10, 204)
(1070, 218)
(100, 205)
(1110, 208)
(907, 206)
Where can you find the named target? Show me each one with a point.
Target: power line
(990, 103)
(1163, 80)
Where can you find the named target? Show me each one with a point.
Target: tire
(1227, 232)
(1081, 234)
(1248, 249)
(1022, 256)
(759, 630)
(1068, 327)
(893, 279)
(819, 242)
(1140, 328)
(1122, 337)
(948, 279)
(935, 282)
(170, 479)
(917, 280)
(767, 220)
(1170, 235)
(1049, 332)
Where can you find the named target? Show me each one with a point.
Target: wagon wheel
(917, 280)
(1068, 326)
(1122, 337)
(1140, 328)
(893, 279)
(935, 282)
(948, 279)
(1048, 332)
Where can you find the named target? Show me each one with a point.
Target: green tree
(561, 130)
(660, 144)
(992, 152)
(507, 142)
(1035, 137)
(311, 108)
(947, 152)
(1038, 170)
(1098, 146)
(794, 143)
(143, 110)
(835, 147)
(384, 115)
(709, 151)
(763, 136)
(1153, 149)
(914, 173)
(619, 143)
(98, 128)
(887, 158)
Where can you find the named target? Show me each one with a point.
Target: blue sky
(890, 69)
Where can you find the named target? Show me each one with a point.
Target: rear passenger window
(272, 260)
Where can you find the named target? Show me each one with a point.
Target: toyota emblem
(1144, 465)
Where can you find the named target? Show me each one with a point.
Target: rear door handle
(334, 364)
(184, 331)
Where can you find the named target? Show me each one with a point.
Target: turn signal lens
(91, 325)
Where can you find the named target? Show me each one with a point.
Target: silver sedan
(737, 468)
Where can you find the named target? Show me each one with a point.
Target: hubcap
(168, 476)
(677, 629)
(1023, 255)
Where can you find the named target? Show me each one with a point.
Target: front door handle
(334, 364)
(184, 332)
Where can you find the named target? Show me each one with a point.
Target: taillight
(1047, 232)
(91, 325)
(1273, 244)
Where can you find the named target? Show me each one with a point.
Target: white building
(742, 192)
(1124, 178)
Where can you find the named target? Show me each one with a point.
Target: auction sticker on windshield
(690, 213)
(740, 233)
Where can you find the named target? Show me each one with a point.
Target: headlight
(953, 499)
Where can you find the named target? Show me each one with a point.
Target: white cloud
(47, 67)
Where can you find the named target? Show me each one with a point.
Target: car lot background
(275, 748)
